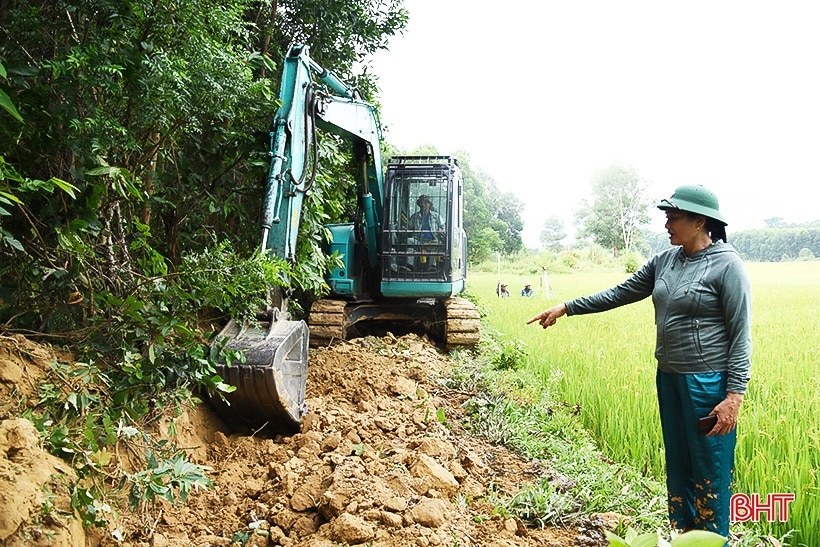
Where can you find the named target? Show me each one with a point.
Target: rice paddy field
(606, 364)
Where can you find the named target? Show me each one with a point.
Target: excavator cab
(423, 243)
(421, 262)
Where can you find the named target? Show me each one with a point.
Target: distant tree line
(615, 217)
(778, 244)
(797, 242)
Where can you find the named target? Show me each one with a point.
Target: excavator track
(327, 322)
(463, 324)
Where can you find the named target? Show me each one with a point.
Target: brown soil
(374, 464)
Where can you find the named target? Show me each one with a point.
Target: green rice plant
(605, 365)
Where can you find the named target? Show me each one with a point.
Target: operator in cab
(427, 221)
(428, 233)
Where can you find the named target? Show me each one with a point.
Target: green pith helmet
(695, 199)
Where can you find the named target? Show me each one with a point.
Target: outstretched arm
(547, 318)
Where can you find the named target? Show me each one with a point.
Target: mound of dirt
(381, 460)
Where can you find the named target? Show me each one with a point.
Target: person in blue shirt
(427, 221)
(527, 290)
(427, 228)
(703, 308)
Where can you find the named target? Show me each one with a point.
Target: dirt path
(381, 460)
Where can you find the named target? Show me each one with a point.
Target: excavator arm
(270, 377)
(333, 107)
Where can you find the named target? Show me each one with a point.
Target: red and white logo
(745, 508)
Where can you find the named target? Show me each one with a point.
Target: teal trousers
(698, 468)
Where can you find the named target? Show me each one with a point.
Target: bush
(570, 259)
(632, 262)
(509, 355)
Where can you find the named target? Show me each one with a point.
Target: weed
(171, 478)
(509, 355)
(514, 409)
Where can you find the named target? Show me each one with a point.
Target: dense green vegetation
(779, 244)
(133, 154)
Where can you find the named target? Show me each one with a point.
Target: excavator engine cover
(270, 383)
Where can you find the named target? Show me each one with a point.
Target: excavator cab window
(417, 245)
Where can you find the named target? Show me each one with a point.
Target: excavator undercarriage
(454, 322)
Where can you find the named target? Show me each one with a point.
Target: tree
(508, 221)
(618, 211)
(492, 219)
(775, 222)
(482, 240)
(157, 112)
(552, 233)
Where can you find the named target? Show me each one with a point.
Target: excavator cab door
(421, 247)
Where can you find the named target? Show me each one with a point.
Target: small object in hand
(706, 423)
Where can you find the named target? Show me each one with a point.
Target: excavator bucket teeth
(270, 383)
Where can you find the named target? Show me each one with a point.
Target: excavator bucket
(270, 383)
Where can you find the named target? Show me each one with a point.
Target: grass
(604, 364)
(512, 408)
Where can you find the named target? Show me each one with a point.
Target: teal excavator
(403, 258)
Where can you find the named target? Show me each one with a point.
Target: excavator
(403, 257)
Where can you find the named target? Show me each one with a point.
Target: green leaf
(66, 187)
(615, 541)
(10, 197)
(13, 242)
(699, 538)
(6, 103)
(104, 170)
(223, 387)
(646, 540)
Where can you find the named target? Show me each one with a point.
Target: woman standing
(702, 298)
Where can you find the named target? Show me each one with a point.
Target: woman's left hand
(727, 412)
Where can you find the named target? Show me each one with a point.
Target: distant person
(545, 282)
(527, 290)
(703, 308)
(502, 291)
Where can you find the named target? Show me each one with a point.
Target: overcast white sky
(542, 93)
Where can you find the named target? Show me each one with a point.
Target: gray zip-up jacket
(703, 310)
